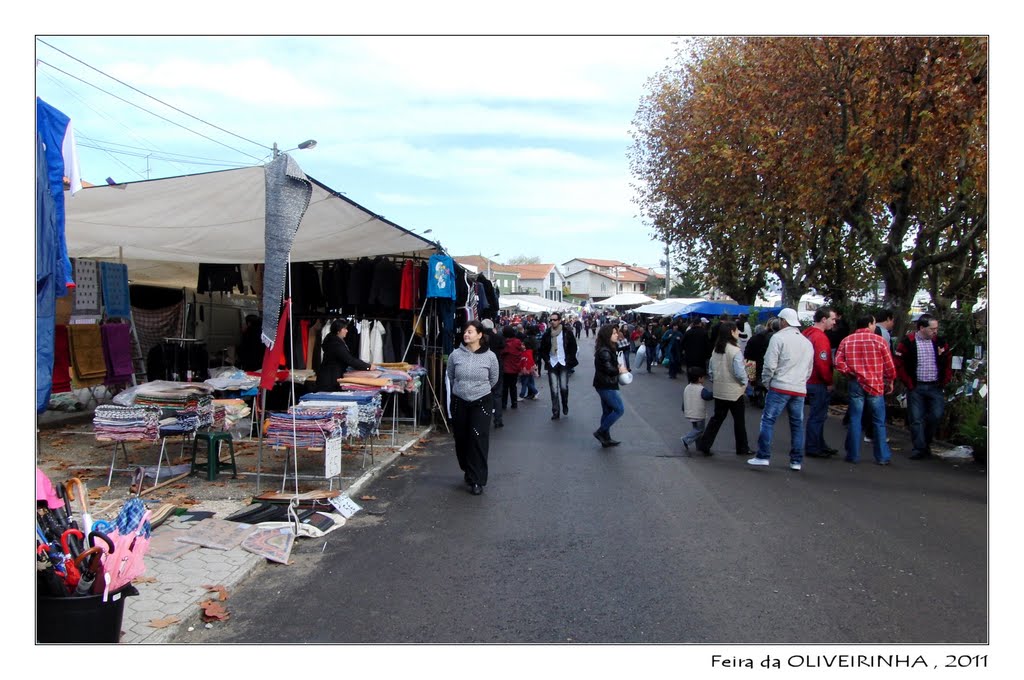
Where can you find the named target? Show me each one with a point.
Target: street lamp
(489, 265)
(308, 144)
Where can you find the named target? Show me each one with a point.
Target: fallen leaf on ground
(407, 467)
(144, 579)
(367, 498)
(164, 622)
(392, 477)
(221, 590)
(213, 611)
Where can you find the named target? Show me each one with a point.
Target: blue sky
(509, 145)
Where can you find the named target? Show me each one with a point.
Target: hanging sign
(332, 457)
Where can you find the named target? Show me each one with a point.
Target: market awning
(532, 304)
(163, 228)
(668, 306)
(624, 300)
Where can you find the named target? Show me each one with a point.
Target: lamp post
(308, 144)
(489, 265)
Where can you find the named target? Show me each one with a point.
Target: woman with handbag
(607, 370)
(473, 372)
(728, 374)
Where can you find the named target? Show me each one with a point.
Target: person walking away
(577, 326)
(693, 406)
(337, 358)
(558, 352)
(650, 341)
(866, 360)
(729, 384)
(755, 351)
(472, 373)
(606, 382)
(512, 356)
(495, 344)
(623, 342)
(787, 367)
(672, 348)
(884, 322)
(819, 387)
(697, 345)
(924, 365)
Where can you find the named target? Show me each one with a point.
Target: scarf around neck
(555, 332)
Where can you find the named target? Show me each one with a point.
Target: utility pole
(668, 270)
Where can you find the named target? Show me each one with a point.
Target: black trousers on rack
(471, 427)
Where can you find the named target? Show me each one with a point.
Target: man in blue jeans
(787, 367)
(924, 364)
(819, 387)
(866, 360)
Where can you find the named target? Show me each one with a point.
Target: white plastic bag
(641, 354)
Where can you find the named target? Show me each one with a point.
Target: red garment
(61, 360)
(821, 371)
(407, 296)
(512, 356)
(866, 358)
(270, 358)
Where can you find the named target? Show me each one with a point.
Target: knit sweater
(472, 374)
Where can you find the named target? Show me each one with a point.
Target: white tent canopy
(668, 306)
(163, 228)
(532, 304)
(624, 300)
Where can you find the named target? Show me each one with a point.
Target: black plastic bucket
(81, 619)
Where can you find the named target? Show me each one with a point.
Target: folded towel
(117, 352)
(86, 345)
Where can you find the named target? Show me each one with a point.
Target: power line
(264, 146)
(258, 160)
(183, 157)
(157, 156)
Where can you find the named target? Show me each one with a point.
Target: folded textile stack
(301, 429)
(233, 379)
(170, 394)
(197, 412)
(398, 366)
(347, 412)
(368, 406)
(126, 423)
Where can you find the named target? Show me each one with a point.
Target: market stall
(303, 233)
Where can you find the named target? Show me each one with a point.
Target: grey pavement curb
(181, 591)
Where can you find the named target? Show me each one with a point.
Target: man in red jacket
(924, 364)
(819, 386)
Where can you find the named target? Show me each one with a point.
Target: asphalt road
(571, 543)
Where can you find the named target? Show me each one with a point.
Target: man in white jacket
(787, 366)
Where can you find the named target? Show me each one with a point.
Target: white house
(545, 280)
(597, 279)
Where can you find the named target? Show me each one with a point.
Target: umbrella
(130, 538)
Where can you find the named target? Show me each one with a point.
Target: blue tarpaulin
(710, 309)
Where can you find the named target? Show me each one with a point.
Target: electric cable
(264, 146)
(45, 63)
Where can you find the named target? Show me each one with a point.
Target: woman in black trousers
(472, 372)
(729, 374)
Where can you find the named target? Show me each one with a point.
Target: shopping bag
(641, 354)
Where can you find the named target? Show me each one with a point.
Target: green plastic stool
(213, 464)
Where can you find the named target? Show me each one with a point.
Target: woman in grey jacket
(472, 372)
(729, 376)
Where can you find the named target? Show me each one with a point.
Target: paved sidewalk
(174, 588)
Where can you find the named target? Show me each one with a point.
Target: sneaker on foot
(686, 444)
(795, 466)
(759, 462)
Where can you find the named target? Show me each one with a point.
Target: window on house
(551, 279)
